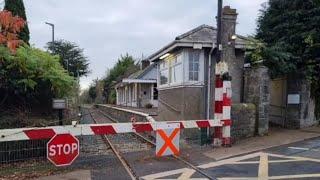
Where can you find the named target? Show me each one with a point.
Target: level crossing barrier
(99, 129)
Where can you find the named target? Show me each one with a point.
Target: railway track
(111, 141)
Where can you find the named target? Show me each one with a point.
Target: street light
(52, 27)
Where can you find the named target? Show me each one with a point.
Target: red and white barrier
(98, 129)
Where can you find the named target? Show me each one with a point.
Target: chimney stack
(144, 64)
(229, 21)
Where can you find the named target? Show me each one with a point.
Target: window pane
(177, 73)
(194, 57)
(191, 76)
(196, 66)
(196, 76)
(164, 76)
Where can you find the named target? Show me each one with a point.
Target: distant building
(140, 88)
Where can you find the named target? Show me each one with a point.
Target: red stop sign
(63, 149)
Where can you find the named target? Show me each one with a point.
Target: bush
(31, 77)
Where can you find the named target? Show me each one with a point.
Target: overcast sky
(105, 29)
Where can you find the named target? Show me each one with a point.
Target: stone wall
(300, 115)
(257, 91)
(243, 121)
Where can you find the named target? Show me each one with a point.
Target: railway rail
(111, 141)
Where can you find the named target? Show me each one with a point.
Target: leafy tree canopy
(289, 32)
(125, 66)
(10, 26)
(292, 27)
(31, 76)
(71, 57)
(16, 7)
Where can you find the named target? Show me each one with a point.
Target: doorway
(278, 102)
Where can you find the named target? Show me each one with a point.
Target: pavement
(283, 154)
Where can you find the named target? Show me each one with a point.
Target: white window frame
(174, 63)
(194, 71)
(164, 66)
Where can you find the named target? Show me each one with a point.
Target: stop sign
(62, 149)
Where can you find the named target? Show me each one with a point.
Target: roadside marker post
(167, 140)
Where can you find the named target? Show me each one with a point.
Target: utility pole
(219, 33)
(52, 27)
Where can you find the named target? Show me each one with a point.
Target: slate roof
(139, 74)
(201, 34)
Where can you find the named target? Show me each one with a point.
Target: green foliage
(30, 77)
(92, 93)
(71, 54)
(289, 31)
(17, 9)
(124, 67)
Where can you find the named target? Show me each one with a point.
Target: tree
(125, 66)
(71, 57)
(92, 93)
(16, 7)
(10, 27)
(290, 32)
(31, 78)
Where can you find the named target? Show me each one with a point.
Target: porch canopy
(151, 81)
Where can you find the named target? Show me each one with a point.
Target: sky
(106, 29)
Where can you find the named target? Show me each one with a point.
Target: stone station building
(184, 70)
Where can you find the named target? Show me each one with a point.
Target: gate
(278, 102)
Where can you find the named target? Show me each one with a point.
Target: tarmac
(246, 159)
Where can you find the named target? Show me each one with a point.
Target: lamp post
(52, 27)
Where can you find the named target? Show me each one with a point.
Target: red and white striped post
(218, 109)
(226, 117)
(222, 135)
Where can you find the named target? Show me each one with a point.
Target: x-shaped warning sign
(168, 142)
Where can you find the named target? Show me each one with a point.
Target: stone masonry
(257, 91)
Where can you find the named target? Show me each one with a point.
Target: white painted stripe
(299, 148)
(304, 149)
(226, 131)
(189, 124)
(226, 85)
(124, 128)
(215, 123)
(226, 112)
(218, 94)
(218, 116)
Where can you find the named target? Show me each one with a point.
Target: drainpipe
(209, 87)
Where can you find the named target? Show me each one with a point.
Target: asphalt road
(299, 160)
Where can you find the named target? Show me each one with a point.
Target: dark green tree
(125, 66)
(71, 57)
(92, 93)
(290, 33)
(17, 9)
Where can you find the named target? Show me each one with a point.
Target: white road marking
(304, 149)
(263, 171)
